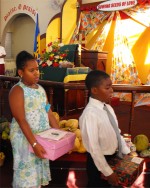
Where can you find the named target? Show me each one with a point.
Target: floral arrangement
(53, 56)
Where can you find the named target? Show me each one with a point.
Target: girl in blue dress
(31, 114)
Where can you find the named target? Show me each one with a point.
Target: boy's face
(104, 91)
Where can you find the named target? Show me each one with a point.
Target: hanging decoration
(100, 41)
(140, 13)
(123, 70)
(88, 21)
(144, 98)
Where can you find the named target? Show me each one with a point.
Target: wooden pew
(7, 82)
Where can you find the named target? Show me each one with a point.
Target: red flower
(43, 51)
(55, 50)
(63, 55)
(55, 64)
(49, 44)
(51, 58)
(44, 64)
(53, 54)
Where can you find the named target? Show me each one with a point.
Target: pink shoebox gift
(56, 148)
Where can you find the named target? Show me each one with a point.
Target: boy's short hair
(94, 78)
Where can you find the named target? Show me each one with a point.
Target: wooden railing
(7, 82)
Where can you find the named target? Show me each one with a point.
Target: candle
(79, 50)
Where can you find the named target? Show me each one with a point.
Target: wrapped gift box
(126, 170)
(56, 148)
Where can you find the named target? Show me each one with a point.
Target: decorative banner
(114, 5)
(140, 13)
(123, 69)
(100, 41)
(88, 21)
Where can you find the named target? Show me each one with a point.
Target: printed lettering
(11, 11)
(116, 4)
(104, 6)
(124, 3)
(130, 3)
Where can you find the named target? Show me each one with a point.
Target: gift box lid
(56, 144)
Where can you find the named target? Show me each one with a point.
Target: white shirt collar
(96, 103)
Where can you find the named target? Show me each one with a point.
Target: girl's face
(30, 73)
(104, 91)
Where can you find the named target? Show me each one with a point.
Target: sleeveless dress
(29, 170)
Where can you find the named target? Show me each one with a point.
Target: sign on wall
(12, 9)
(114, 5)
(20, 7)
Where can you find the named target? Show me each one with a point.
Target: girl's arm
(52, 120)
(16, 102)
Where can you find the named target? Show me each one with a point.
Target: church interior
(70, 38)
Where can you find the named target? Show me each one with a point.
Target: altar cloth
(63, 74)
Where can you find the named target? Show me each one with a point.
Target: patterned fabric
(88, 21)
(123, 69)
(30, 170)
(126, 170)
(140, 13)
(144, 98)
(99, 43)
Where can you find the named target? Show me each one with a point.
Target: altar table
(63, 74)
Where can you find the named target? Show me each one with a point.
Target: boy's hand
(113, 179)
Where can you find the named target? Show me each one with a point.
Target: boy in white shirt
(2, 62)
(98, 134)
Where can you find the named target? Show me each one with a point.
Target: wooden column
(132, 112)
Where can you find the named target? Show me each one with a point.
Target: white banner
(114, 5)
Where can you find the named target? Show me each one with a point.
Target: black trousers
(94, 174)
